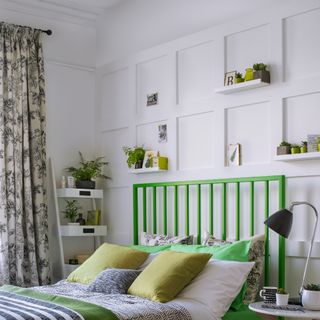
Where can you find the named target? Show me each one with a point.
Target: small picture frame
(229, 78)
(313, 142)
(152, 99)
(148, 159)
(162, 133)
(233, 155)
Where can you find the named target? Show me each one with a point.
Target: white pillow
(218, 285)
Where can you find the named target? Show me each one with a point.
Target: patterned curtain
(23, 208)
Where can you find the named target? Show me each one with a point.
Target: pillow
(107, 256)
(209, 240)
(168, 274)
(151, 249)
(113, 281)
(218, 285)
(148, 239)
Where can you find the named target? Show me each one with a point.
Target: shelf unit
(238, 87)
(148, 170)
(298, 156)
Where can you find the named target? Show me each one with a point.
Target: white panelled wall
(201, 123)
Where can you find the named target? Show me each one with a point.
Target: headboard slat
(176, 211)
(238, 212)
(211, 209)
(187, 231)
(224, 212)
(267, 251)
(252, 208)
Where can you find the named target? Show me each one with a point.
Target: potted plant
(304, 147)
(87, 172)
(135, 156)
(239, 77)
(261, 72)
(295, 149)
(311, 296)
(282, 297)
(284, 148)
(72, 211)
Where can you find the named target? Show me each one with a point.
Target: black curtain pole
(48, 32)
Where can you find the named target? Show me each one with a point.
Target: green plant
(72, 210)
(295, 146)
(312, 287)
(260, 67)
(284, 144)
(238, 75)
(304, 143)
(282, 291)
(134, 154)
(89, 169)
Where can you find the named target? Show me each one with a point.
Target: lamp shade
(280, 222)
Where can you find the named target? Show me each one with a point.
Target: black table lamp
(281, 223)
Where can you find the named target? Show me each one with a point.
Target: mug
(268, 294)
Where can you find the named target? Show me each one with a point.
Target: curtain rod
(48, 32)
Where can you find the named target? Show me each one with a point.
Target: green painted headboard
(140, 200)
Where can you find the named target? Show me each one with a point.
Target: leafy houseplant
(282, 297)
(261, 72)
(88, 170)
(304, 147)
(295, 149)
(284, 148)
(239, 77)
(135, 156)
(311, 296)
(72, 210)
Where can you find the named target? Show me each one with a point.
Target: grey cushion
(113, 281)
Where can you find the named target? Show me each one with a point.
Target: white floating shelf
(68, 268)
(80, 193)
(148, 170)
(298, 156)
(83, 231)
(252, 84)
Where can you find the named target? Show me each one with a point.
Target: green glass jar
(249, 74)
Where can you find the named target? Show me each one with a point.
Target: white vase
(282, 299)
(311, 299)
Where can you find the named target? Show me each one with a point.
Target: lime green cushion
(152, 249)
(168, 274)
(107, 256)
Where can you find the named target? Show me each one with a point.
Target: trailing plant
(284, 144)
(260, 67)
(312, 287)
(238, 75)
(134, 154)
(281, 291)
(72, 210)
(89, 169)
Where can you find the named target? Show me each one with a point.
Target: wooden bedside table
(273, 313)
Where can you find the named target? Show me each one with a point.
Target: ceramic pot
(264, 75)
(85, 184)
(283, 150)
(295, 150)
(311, 299)
(282, 299)
(304, 149)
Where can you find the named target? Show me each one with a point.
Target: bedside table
(267, 313)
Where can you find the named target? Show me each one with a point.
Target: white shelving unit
(238, 87)
(148, 170)
(298, 156)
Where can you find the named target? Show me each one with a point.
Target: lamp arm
(312, 239)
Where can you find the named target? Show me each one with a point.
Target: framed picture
(162, 133)
(233, 155)
(313, 142)
(229, 78)
(148, 159)
(93, 217)
(152, 99)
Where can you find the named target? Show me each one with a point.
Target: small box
(160, 162)
(93, 217)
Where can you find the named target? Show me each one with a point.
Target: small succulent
(281, 291)
(238, 75)
(312, 287)
(284, 144)
(260, 67)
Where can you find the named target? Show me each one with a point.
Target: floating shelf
(298, 156)
(149, 170)
(83, 231)
(80, 193)
(238, 87)
(70, 267)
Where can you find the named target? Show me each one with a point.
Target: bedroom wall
(201, 123)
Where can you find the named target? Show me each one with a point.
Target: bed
(66, 300)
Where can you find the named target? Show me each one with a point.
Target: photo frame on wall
(313, 140)
(233, 155)
(152, 99)
(229, 78)
(162, 133)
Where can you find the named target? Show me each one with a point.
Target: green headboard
(175, 187)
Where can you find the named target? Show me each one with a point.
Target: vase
(249, 74)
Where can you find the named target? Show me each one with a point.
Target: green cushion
(152, 249)
(168, 274)
(237, 251)
(107, 256)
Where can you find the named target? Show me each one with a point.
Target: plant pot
(295, 150)
(304, 149)
(282, 299)
(138, 164)
(239, 80)
(73, 224)
(283, 150)
(85, 184)
(311, 299)
(264, 75)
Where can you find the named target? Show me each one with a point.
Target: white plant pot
(282, 299)
(73, 223)
(311, 299)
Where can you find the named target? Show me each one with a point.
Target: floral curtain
(23, 208)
